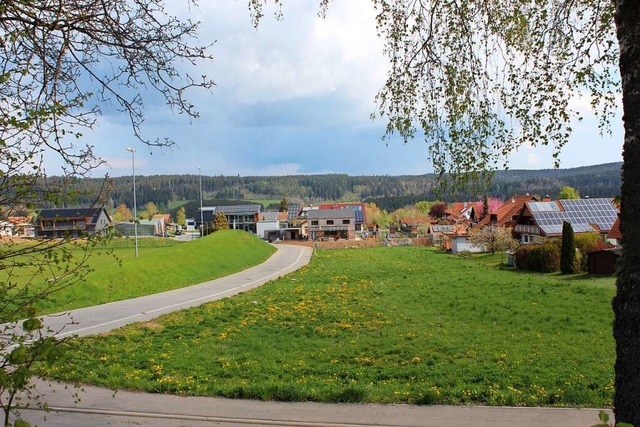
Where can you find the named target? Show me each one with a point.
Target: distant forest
(388, 192)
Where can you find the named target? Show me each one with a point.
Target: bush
(589, 242)
(544, 257)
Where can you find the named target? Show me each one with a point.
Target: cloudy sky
(295, 97)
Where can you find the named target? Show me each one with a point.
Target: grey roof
(69, 213)
(238, 209)
(581, 213)
(331, 214)
(270, 216)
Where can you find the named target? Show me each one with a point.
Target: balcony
(527, 229)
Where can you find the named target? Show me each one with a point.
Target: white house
(6, 228)
(267, 222)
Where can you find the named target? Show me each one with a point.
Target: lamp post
(201, 213)
(135, 210)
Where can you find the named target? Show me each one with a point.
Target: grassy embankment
(162, 265)
(403, 324)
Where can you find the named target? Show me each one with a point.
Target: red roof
(615, 232)
(458, 208)
(508, 209)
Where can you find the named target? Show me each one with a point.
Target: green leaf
(604, 417)
(31, 324)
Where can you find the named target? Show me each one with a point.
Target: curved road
(103, 318)
(101, 407)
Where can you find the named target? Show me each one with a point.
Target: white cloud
(293, 97)
(533, 160)
(302, 55)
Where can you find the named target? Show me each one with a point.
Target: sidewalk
(100, 407)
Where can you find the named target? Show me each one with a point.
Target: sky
(295, 97)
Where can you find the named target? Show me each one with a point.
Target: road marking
(201, 418)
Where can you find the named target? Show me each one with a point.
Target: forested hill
(389, 192)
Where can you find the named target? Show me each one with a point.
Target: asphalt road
(101, 407)
(103, 318)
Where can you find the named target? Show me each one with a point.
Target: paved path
(101, 407)
(103, 318)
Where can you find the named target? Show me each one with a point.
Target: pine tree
(284, 205)
(568, 250)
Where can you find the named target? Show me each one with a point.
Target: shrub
(589, 242)
(544, 257)
(580, 262)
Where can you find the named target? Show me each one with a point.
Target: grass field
(265, 202)
(390, 325)
(163, 264)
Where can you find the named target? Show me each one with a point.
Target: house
(23, 226)
(357, 208)
(413, 226)
(332, 224)
(239, 217)
(72, 222)
(463, 210)
(544, 219)
(507, 213)
(166, 219)
(615, 235)
(268, 225)
(145, 228)
(151, 227)
(6, 228)
(438, 233)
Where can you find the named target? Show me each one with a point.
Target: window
(314, 222)
(329, 222)
(346, 221)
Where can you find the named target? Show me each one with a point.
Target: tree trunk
(626, 304)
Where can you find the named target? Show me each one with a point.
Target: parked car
(165, 234)
(178, 232)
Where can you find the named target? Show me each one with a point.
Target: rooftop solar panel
(235, 209)
(581, 213)
(292, 211)
(544, 207)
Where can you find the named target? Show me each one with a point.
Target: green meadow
(389, 325)
(162, 265)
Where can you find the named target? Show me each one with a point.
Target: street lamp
(135, 213)
(201, 213)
